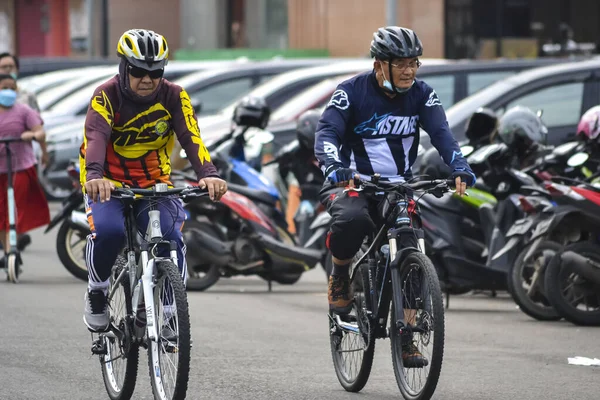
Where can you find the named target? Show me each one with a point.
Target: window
(443, 86)
(218, 95)
(561, 104)
(478, 80)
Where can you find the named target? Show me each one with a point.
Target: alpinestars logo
(387, 124)
(433, 100)
(339, 99)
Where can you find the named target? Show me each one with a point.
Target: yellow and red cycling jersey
(131, 143)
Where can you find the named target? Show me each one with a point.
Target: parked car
(41, 83)
(452, 81)
(212, 90)
(72, 98)
(563, 92)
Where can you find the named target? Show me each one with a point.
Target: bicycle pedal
(99, 347)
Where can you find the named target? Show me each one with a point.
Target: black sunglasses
(138, 72)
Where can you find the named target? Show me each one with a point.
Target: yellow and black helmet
(144, 49)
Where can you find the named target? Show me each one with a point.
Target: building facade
(448, 28)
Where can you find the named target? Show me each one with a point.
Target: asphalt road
(250, 344)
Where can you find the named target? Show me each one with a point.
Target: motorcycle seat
(253, 194)
(446, 202)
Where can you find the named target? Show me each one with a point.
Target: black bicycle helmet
(306, 128)
(252, 112)
(392, 42)
(482, 126)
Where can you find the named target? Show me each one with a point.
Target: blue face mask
(388, 85)
(7, 97)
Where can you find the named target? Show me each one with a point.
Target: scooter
(463, 234)
(235, 237)
(13, 257)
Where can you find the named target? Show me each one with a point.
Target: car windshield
(282, 80)
(307, 98)
(48, 99)
(77, 102)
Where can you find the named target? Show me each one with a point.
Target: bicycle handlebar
(439, 185)
(129, 193)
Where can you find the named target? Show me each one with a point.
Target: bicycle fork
(147, 280)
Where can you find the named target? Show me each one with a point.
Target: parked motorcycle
(74, 228)
(462, 234)
(571, 279)
(235, 237)
(526, 277)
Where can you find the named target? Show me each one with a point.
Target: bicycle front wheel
(120, 363)
(417, 376)
(169, 355)
(352, 339)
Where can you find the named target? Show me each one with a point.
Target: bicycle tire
(132, 356)
(526, 304)
(358, 383)
(170, 271)
(435, 363)
(554, 274)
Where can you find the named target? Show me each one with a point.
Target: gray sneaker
(95, 314)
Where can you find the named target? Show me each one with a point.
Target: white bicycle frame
(145, 277)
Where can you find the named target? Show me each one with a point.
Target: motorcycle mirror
(578, 159)
(466, 150)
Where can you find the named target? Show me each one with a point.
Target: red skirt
(30, 201)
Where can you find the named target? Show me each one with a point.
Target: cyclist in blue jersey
(371, 125)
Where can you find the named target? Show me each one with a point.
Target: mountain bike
(398, 283)
(162, 325)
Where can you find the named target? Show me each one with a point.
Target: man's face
(8, 66)
(404, 71)
(143, 82)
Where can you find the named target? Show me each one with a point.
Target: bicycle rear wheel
(169, 355)
(352, 339)
(424, 314)
(120, 363)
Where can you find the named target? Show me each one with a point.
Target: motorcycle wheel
(201, 276)
(67, 252)
(563, 285)
(520, 274)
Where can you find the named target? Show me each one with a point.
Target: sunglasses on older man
(138, 72)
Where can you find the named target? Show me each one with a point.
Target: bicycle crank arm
(346, 326)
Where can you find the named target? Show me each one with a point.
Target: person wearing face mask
(19, 120)
(131, 126)
(9, 64)
(371, 125)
